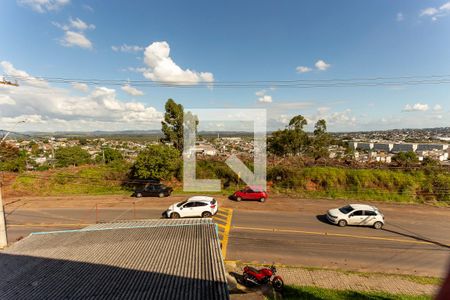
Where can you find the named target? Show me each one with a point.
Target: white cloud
(127, 48)
(54, 108)
(303, 69)
(162, 68)
(74, 33)
(323, 109)
(265, 99)
(429, 11)
(72, 38)
(6, 100)
(43, 6)
(416, 107)
(341, 118)
(436, 13)
(262, 97)
(400, 17)
(22, 76)
(137, 70)
(132, 90)
(83, 87)
(437, 107)
(260, 93)
(80, 25)
(322, 65)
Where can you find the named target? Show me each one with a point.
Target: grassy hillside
(375, 184)
(315, 182)
(87, 180)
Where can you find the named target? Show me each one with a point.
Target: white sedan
(197, 206)
(356, 214)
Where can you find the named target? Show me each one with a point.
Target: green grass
(413, 186)
(88, 180)
(315, 293)
(406, 186)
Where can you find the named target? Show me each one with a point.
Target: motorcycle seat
(251, 269)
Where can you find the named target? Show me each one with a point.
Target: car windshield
(346, 209)
(213, 201)
(181, 203)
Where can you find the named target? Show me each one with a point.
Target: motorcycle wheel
(278, 284)
(246, 280)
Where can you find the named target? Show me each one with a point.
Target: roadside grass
(314, 182)
(413, 278)
(87, 180)
(315, 293)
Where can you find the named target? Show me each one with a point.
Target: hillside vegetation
(315, 182)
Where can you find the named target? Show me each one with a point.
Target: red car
(251, 193)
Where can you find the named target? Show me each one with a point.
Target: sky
(111, 65)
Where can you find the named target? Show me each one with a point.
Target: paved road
(404, 246)
(412, 242)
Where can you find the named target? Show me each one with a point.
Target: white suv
(197, 206)
(356, 214)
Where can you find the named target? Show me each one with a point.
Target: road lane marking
(223, 222)
(221, 218)
(226, 233)
(221, 226)
(333, 234)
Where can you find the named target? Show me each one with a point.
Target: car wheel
(206, 214)
(262, 199)
(377, 225)
(138, 195)
(175, 215)
(161, 195)
(342, 223)
(238, 199)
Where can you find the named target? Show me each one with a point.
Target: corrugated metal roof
(148, 223)
(160, 259)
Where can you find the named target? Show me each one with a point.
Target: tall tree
(321, 141)
(172, 126)
(290, 141)
(297, 122)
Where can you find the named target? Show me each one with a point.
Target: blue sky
(215, 42)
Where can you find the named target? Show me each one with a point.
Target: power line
(299, 83)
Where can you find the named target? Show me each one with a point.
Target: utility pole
(3, 235)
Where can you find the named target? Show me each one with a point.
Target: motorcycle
(263, 276)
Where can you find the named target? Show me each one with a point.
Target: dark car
(153, 190)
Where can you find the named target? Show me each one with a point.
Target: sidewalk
(339, 280)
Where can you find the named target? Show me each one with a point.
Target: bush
(441, 187)
(156, 162)
(71, 156)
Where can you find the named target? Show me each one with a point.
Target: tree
(320, 127)
(109, 155)
(406, 159)
(156, 162)
(11, 158)
(172, 126)
(292, 140)
(297, 123)
(71, 156)
(321, 140)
